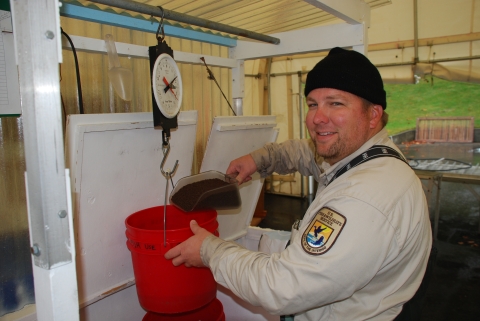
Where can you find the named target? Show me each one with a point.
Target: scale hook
(168, 173)
(160, 27)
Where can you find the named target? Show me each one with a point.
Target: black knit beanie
(349, 71)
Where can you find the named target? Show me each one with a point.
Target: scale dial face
(167, 85)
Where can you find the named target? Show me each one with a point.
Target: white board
(232, 137)
(115, 164)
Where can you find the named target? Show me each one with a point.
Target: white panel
(115, 161)
(224, 145)
(302, 41)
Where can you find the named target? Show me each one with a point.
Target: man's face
(338, 122)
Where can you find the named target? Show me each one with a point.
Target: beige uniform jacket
(360, 251)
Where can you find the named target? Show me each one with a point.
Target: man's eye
(312, 105)
(336, 103)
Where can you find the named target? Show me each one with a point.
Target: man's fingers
(237, 176)
(195, 227)
(247, 179)
(243, 167)
(178, 261)
(242, 178)
(232, 170)
(188, 252)
(173, 253)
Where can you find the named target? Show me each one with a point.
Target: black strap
(373, 152)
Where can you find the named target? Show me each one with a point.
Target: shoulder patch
(323, 231)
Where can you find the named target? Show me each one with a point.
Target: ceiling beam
(314, 39)
(350, 11)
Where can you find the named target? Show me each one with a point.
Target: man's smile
(326, 133)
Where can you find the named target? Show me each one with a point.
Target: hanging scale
(167, 93)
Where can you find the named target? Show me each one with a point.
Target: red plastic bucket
(162, 287)
(211, 312)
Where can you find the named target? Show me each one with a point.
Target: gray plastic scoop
(121, 78)
(197, 192)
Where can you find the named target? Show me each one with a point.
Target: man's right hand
(243, 167)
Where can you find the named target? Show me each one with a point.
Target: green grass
(440, 98)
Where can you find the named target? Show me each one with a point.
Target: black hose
(79, 85)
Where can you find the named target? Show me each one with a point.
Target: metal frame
(36, 43)
(38, 47)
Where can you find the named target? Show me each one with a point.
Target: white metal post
(36, 30)
(238, 85)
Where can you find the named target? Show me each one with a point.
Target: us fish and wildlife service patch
(323, 231)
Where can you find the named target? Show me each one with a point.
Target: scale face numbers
(167, 85)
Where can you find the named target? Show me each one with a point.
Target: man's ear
(376, 113)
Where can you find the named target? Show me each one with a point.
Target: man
(362, 248)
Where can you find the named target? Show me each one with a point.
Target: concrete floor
(454, 290)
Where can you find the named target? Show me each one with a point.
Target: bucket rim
(187, 228)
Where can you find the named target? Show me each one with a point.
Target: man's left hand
(188, 252)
